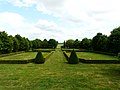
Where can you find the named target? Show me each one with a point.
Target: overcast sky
(59, 19)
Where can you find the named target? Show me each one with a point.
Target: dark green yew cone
(39, 58)
(73, 58)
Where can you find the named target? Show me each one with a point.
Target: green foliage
(26, 44)
(73, 58)
(64, 44)
(1, 45)
(45, 43)
(15, 44)
(5, 42)
(30, 44)
(119, 55)
(23, 43)
(114, 41)
(37, 43)
(52, 43)
(76, 44)
(39, 58)
(69, 43)
(99, 42)
(86, 43)
(10, 43)
(18, 43)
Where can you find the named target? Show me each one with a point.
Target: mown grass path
(56, 62)
(55, 58)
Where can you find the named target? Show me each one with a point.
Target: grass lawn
(94, 56)
(56, 74)
(23, 56)
(45, 50)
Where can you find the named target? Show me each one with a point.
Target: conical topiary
(39, 58)
(73, 58)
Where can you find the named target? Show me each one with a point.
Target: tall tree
(30, 44)
(15, 44)
(114, 41)
(45, 43)
(5, 42)
(64, 44)
(1, 46)
(86, 43)
(52, 43)
(69, 43)
(26, 44)
(37, 43)
(102, 43)
(76, 44)
(99, 42)
(10, 43)
(20, 42)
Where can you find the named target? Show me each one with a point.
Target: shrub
(39, 58)
(73, 58)
(119, 55)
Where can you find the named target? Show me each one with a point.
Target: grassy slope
(22, 56)
(56, 74)
(94, 56)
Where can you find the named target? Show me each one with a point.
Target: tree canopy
(8, 43)
(99, 42)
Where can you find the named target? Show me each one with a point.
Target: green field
(57, 74)
(59, 45)
(93, 56)
(23, 56)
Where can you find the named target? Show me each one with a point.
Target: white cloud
(14, 23)
(94, 15)
(73, 10)
(82, 17)
(46, 25)
(13, 19)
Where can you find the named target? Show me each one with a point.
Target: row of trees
(84, 44)
(37, 43)
(99, 42)
(18, 43)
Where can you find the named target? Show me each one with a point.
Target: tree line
(100, 42)
(9, 43)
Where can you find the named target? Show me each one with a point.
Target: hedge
(14, 61)
(99, 61)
